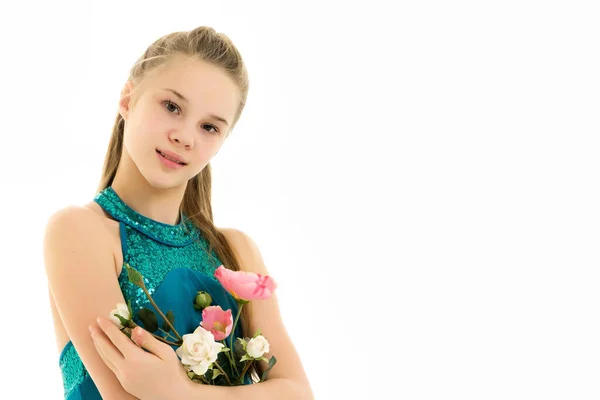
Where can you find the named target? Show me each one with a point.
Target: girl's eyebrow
(176, 93)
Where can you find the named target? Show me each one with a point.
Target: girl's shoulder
(88, 220)
(245, 250)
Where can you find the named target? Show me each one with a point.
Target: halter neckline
(184, 233)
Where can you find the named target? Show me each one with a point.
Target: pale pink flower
(244, 285)
(217, 321)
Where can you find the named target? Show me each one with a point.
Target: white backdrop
(422, 182)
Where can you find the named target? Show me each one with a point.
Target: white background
(422, 182)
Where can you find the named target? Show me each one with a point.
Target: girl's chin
(165, 182)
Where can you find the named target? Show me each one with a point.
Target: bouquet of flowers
(206, 354)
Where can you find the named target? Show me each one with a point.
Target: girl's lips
(169, 163)
(171, 155)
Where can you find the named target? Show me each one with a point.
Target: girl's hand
(158, 375)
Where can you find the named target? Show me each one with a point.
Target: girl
(153, 211)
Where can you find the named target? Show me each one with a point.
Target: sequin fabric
(154, 260)
(72, 369)
(152, 248)
(175, 235)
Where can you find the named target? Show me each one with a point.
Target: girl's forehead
(192, 76)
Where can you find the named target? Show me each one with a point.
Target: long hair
(205, 44)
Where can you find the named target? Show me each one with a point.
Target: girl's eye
(212, 126)
(169, 103)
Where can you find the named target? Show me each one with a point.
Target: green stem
(160, 312)
(232, 334)
(223, 372)
(245, 370)
(231, 357)
(165, 341)
(133, 325)
(228, 352)
(167, 333)
(235, 324)
(137, 279)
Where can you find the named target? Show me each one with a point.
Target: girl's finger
(107, 351)
(119, 340)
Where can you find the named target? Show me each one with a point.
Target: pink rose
(245, 285)
(217, 321)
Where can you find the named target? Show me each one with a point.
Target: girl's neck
(162, 205)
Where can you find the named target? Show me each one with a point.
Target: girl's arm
(271, 389)
(80, 268)
(287, 379)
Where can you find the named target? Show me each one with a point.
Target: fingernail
(90, 328)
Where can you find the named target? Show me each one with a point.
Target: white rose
(123, 311)
(257, 346)
(199, 350)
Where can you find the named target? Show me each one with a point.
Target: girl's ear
(125, 100)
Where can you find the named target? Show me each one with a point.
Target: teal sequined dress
(175, 263)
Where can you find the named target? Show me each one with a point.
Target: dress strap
(123, 235)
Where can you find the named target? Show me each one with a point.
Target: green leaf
(246, 357)
(129, 308)
(256, 334)
(272, 362)
(134, 276)
(171, 319)
(216, 373)
(124, 321)
(225, 349)
(149, 319)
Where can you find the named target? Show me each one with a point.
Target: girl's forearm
(271, 389)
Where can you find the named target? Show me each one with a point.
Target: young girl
(153, 211)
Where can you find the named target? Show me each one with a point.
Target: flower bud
(120, 316)
(202, 300)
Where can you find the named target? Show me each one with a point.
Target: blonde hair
(205, 44)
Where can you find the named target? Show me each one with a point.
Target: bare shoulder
(246, 250)
(75, 243)
(71, 222)
(89, 220)
(90, 213)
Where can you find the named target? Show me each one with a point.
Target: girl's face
(184, 109)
